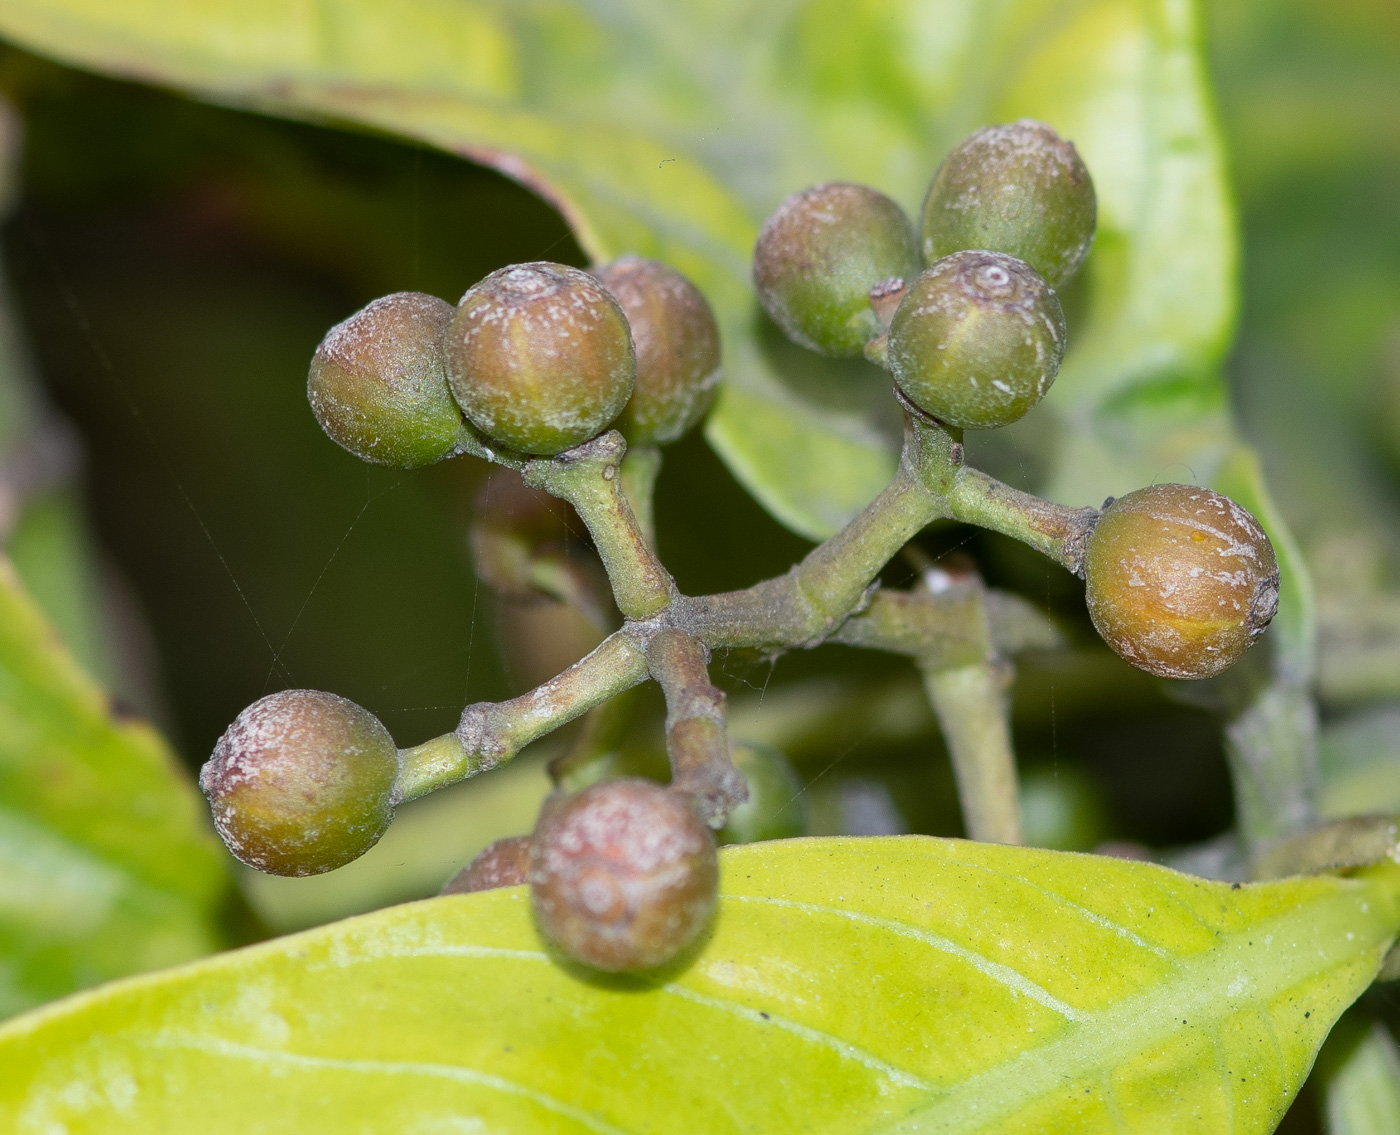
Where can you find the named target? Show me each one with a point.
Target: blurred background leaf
(108, 865)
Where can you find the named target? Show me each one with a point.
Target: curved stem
(1059, 532)
(588, 478)
(492, 733)
(696, 741)
(803, 607)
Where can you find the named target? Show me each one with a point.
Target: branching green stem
(492, 733)
(803, 607)
(667, 635)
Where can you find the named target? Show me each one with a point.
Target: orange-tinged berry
(1180, 581)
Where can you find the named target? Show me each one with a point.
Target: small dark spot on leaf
(765, 1016)
(1308, 1013)
(1234, 886)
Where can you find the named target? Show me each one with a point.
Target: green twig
(588, 478)
(492, 733)
(949, 636)
(640, 467)
(971, 705)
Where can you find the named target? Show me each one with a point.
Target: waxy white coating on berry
(301, 782)
(540, 357)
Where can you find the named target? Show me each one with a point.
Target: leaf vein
(998, 972)
(233, 1050)
(761, 1018)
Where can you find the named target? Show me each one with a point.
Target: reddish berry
(505, 863)
(623, 875)
(677, 342)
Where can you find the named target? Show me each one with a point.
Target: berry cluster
(532, 367)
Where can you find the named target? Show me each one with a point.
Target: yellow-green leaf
(907, 984)
(107, 866)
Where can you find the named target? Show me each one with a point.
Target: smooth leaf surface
(851, 985)
(106, 865)
(673, 132)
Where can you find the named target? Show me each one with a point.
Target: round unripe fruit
(624, 875)
(301, 783)
(539, 357)
(776, 807)
(820, 254)
(1019, 189)
(505, 863)
(1180, 580)
(378, 384)
(677, 343)
(977, 340)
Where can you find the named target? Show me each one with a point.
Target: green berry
(1020, 189)
(301, 783)
(977, 340)
(540, 357)
(818, 257)
(378, 384)
(776, 807)
(623, 875)
(505, 863)
(1180, 581)
(677, 344)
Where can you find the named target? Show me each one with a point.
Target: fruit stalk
(490, 734)
(696, 740)
(588, 477)
(971, 704)
(1051, 529)
(948, 634)
(640, 466)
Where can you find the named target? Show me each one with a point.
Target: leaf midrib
(1099, 1041)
